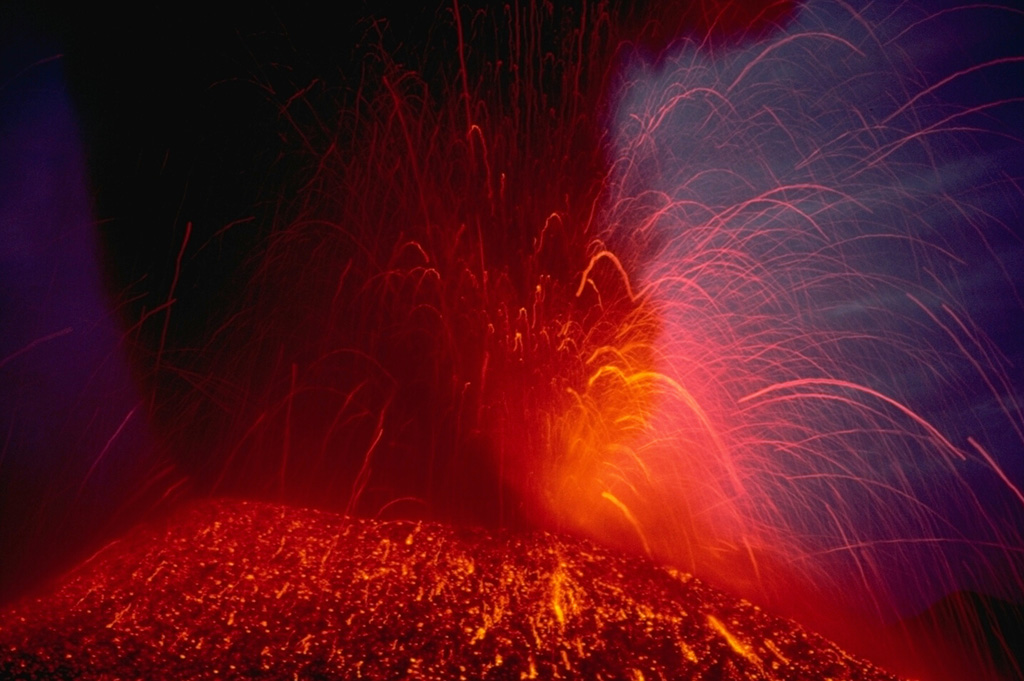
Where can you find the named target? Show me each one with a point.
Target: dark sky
(171, 118)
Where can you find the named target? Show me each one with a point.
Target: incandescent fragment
(238, 589)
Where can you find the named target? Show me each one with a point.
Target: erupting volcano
(731, 288)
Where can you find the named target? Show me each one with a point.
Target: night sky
(147, 159)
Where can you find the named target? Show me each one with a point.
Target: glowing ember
(737, 289)
(244, 590)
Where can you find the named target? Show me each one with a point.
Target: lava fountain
(736, 289)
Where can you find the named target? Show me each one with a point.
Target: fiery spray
(704, 297)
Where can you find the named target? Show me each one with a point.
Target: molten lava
(734, 288)
(243, 590)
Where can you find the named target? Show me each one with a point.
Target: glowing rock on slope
(245, 590)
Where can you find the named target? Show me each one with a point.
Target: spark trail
(731, 302)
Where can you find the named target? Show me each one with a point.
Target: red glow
(274, 592)
(685, 304)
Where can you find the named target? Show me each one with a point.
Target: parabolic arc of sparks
(655, 299)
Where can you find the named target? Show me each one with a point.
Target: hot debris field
(238, 589)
